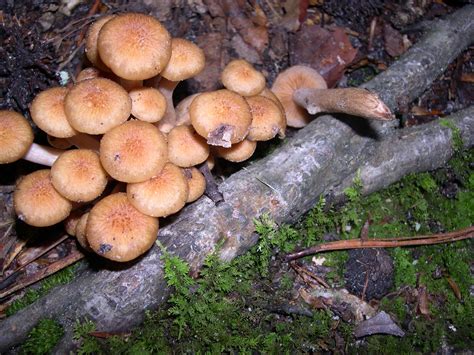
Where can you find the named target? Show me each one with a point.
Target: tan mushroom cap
(267, 119)
(16, 136)
(187, 60)
(134, 151)
(148, 104)
(70, 223)
(118, 231)
(238, 152)
(92, 35)
(241, 77)
(36, 201)
(222, 117)
(287, 82)
(185, 147)
(134, 46)
(196, 183)
(162, 195)
(47, 111)
(270, 95)
(78, 175)
(97, 105)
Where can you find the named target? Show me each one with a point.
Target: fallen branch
(318, 160)
(385, 243)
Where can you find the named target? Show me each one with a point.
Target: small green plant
(88, 344)
(43, 338)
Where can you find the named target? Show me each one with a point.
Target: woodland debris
(378, 324)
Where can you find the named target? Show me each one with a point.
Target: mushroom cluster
(117, 126)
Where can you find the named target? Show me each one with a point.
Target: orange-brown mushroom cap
(97, 105)
(78, 175)
(164, 194)
(134, 151)
(241, 77)
(16, 136)
(238, 152)
(118, 231)
(134, 46)
(185, 147)
(287, 82)
(222, 117)
(47, 111)
(36, 201)
(148, 104)
(267, 119)
(187, 60)
(196, 183)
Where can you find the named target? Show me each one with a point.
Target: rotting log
(319, 160)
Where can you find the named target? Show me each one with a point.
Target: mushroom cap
(267, 119)
(134, 151)
(185, 147)
(97, 105)
(241, 77)
(88, 73)
(148, 104)
(47, 111)
(238, 152)
(16, 136)
(78, 175)
(187, 60)
(164, 194)
(58, 143)
(196, 183)
(287, 82)
(92, 35)
(70, 223)
(36, 201)
(118, 231)
(222, 117)
(134, 46)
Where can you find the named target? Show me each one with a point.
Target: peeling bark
(323, 158)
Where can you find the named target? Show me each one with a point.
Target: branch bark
(321, 159)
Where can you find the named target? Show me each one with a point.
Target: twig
(304, 274)
(385, 243)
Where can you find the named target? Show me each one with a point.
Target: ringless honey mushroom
(241, 77)
(303, 92)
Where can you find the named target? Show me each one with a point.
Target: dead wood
(323, 158)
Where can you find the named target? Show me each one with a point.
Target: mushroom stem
(166, 87)
(42, 155)
(352, 101)
(212, 189)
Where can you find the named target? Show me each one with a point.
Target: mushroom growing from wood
(300, 87)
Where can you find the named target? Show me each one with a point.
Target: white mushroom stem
(42, 155)
(352, 101)
(85, 141)
(166, 87)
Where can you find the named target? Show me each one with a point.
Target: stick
(385, 243)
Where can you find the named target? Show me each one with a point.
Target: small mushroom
(241, 77)
(223, 117)
(303, 92)
(148, 104)
(118, 231)
(78, 175)
(186, 148)
(134, 151)
(267, 119)
(134, 46)
(239, 152)
(91, 49)
(196, 183)
(187, 60)
(36, 201)
(164, 194)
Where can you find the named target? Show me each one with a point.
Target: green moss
(43, 338)
(61, 277)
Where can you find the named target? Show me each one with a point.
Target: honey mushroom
(187, 60)
(196, 183)
(241, 77)
(186, 148)
(118, 231)
(303, 92)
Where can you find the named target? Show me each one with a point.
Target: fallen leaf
(379, 324)
(394, 44)
(423, 303)
(454, 286)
